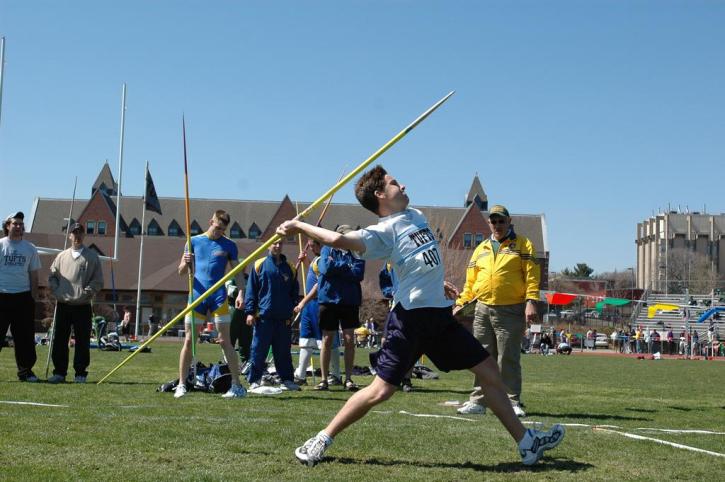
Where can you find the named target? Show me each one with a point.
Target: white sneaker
(518, 410)
(259, 389)
(313, 450)
(290, 385)
(532, 446)
(472, 408)
(236, 391)
(180, 391)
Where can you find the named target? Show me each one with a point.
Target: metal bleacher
(675, 319)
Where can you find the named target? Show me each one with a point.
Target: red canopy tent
(559, 298)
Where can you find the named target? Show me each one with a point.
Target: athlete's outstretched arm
(349, 241)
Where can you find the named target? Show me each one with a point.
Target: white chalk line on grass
(572, 424)
(663, 442)
(35, 404)
(669, 430)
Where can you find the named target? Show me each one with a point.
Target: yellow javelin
(261, 249)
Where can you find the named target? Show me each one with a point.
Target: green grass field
(125, 430)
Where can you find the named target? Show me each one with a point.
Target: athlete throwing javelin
(211, 253)
(421, 321)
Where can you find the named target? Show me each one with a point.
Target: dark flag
(151, 199)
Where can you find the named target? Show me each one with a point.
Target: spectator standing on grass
(670, 342)
(683, 343)
(153, 322)
(75, 278)
(648, 341)
(589, 339)
(503, 277)
(310, 334)
(207, 258)
(655, 341)
(270, 297)
(615, 339)
(339, 295)
(637, 340)
(240, 334)
(19, 265)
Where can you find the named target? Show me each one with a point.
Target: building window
(479, 238)
(154, 229)
(135, 227)
(102, 227)
(195, 228)
(174, 229)
(236, 231)
(90, 227)
(254, 231)
(467, 240)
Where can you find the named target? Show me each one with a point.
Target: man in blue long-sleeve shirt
(339, 295)
(271, 293)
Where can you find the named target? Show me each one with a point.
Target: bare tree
(688, 270)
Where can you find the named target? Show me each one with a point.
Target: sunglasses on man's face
(497, 221)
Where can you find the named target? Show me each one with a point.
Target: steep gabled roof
(476, 190)
(105, 181)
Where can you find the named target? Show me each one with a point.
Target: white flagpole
(55, 310)
(140, 256)
(120, 174)
(2, 70)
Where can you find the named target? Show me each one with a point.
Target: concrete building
(676, 247)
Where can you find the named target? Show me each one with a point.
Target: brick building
(459, 230)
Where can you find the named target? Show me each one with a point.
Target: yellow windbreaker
(510, 277)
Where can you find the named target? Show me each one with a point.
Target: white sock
(325, 437)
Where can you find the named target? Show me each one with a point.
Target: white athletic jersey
(17, 260)
(406, 240)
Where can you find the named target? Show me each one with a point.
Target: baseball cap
(498, 210)
(16, 214)
(77, 227)
(343, 228)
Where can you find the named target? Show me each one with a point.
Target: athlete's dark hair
(370, 182)
(222, 216)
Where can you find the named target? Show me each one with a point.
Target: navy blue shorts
(334, 317)
(424, 331)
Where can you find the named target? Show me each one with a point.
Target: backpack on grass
(213, 379)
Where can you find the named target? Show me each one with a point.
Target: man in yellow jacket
(503, 279)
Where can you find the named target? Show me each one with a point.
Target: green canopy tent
(613, 302)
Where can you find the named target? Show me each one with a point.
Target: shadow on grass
(588, 416)
(547, 465)
(644, 410)
(681, 409)
(155, 384)
(285, 399)
(420, 389)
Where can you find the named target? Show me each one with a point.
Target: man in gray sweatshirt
(75, 278)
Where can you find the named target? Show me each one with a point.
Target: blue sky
(594, 113)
